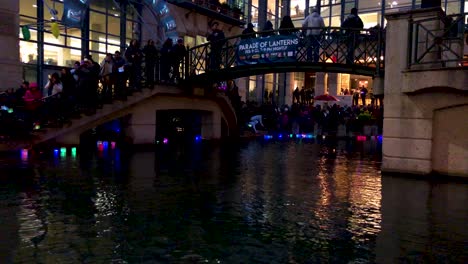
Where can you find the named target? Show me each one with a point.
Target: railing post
(186, 67)
(410, 44)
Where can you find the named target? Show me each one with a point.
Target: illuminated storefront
(107, 27)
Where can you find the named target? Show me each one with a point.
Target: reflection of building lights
(63, 152)
(361, 138)
(73, 152)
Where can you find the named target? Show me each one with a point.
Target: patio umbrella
(326, 97)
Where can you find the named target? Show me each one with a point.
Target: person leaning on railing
(217, 40)
(315, 25)
(352, 26)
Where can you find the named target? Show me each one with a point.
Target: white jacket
(313, 20)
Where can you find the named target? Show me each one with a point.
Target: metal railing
(340, 46)
(437, 42)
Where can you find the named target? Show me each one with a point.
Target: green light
(37, 127)
(73, 152)
(63, 152)
(10, 110)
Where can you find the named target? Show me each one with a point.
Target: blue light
(280, 136)
(380, 138)
(198, 138)
(56, 152)
(105, 144)
(267, 136)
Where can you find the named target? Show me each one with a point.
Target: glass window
(297, 8)
(398, 5)
(336, 10)
(369, 5)
(74, 42)
(28, 52)
(98, 6)
(28, 8)
(200, 40)
(335, 21)
(112, 48)
(113, 25)
(49, 38)
(370, 19)
(97, 36)
(32, 32)
(97, 22)
(453, 7)
(132, 27)
(189, 41)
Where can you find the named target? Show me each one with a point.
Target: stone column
(333, 88)
(259, 89)
(289, 88)
(211, 125)
(320, 83)
(142, 126)
(11, 72)
(407, 129)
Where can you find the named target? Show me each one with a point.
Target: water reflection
(268, 202)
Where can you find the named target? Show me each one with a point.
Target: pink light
(24, 154)
(361, 138)
(165, 140)
(112, 145)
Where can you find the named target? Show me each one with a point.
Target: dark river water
(248, 202)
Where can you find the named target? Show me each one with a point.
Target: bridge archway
(360, 52)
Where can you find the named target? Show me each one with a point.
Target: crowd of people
(89, 84)
(309, 118)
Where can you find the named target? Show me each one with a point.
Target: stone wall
(11, 73)
(416, 130)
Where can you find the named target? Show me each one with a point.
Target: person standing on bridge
(249, 32)
(313, 26)
(134, 57)
(179, 51)
(352, 25)
(216, 39)
(151, 57)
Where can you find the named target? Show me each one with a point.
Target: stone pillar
(258, 89)
(211, 125)
(142, 126)
(9, 45)
(333, 88)
(289, 88)
(407, 129)
(282, 89)
(319, 83)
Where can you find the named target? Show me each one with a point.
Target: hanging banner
(271, 49)
(74, 12)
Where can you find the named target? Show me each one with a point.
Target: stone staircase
(83, 122)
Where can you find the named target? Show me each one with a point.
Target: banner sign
(74, 12)
(267, 50)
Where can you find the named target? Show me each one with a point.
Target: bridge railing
(437, 42)
(354, 47)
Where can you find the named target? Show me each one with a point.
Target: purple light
(24, 154)
(112, 145)
(165, 141)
